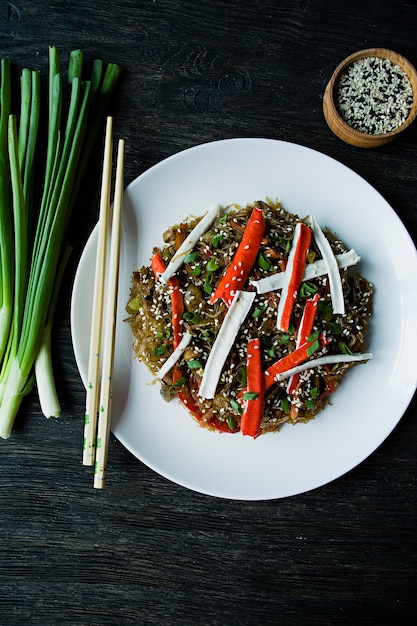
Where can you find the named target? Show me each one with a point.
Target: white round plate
(369, 402)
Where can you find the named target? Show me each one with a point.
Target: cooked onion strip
(335, 281)
(189, 243)
(312, 270)
(329, 359)
(174, 357)
(226, 336)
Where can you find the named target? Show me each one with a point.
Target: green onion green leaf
(250, 395)
(236, 407)
(191, 257)
(194, 364)
(212, 266)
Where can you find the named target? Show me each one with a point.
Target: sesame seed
(374, 95)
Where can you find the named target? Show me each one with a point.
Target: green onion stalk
(33, 247)
(6, 229)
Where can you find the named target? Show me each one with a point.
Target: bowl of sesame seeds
(371, 97)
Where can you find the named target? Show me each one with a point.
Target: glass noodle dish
(250, 316)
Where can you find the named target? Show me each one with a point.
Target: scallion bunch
(33, 247)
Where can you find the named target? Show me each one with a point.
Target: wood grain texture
(146, 551)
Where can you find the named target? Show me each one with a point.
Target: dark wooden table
(145, 550)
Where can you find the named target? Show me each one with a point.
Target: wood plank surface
(145, 550)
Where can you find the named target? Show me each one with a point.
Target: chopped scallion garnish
(216, 240)
(212, 266)
(313, 348)
(209, 335)
(208, 288)
(231, 422)
(236, 407)
(241, 375)
(307, 289)
(191, 317)
(285, 405)
(250, 395)
(344, 348)
(163, 334)
(194, 364)
(264, 262)
(178, 384)
(160, 350)
(191, 257)
(334, 328)
(314, 392)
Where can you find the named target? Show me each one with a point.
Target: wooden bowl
(336, 122)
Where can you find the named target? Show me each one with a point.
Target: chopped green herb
(314, 393)
(159, 350)
(236, 407)
(191, 317)
(307, 289)
(217, 239)
(196, 270)
(334, 328)
(285, 243)
(250, 395)
(264, 262)
(178, 384)
(285, 405)
(241, 376)
(208, 288)
(326, 309)
(258, 311)
(191, 257)
(344, 348)
(212, 266)
(310, 404)
(194, 364)
(313, 348)
(163, 334)
(231, 422)
(134, 304)
(209, 335)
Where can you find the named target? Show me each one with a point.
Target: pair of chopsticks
(101, 359)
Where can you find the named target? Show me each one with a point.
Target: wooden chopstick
(103, 430)
(90, 421)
